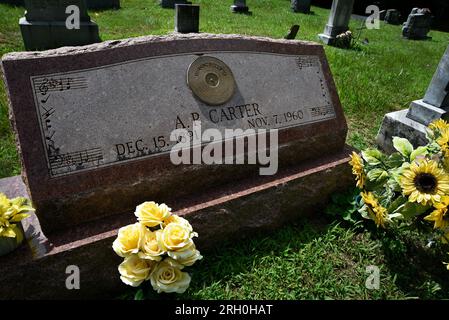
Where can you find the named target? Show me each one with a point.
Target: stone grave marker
(93, 127)
(302, 6)
(187, 18)
(392, 16)
(239, 6)
(338, 22)
(418, 24)
(170, 4)
(44, 25)
(411, 123)
(103, 4)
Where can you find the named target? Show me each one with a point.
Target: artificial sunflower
(357, 169)
(438, 215)
(439, 125)
(424, 182)
(443, 141)
(379, 213)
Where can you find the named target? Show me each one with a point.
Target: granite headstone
(93, 128)
(302, 6)
(93, 125)
(239, 6)
(418, 24)
(103, 4)
(393, 16)
(338, 21)
(411, 123)
(44, 25)
(187, 18)
(170, 4)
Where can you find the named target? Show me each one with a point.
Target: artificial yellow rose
(175, 237)
(152, 214)
(166, 277)
(134, 271)
(127, 241)
(149, 245)
(187, 257)
(177, 219)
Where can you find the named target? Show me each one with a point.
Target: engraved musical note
(307, 62)
(50, 137)
(46, 85)
(47, 124)
(43, 87)
(45, 100)
(77, 158)
(321, 111)
(48, 112)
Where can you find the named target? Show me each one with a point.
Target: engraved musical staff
(307, 62)
(321, 111)
(54, 84)
(77, 158)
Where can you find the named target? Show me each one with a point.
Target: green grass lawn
(314, 259)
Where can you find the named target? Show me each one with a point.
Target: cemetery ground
(315, 258)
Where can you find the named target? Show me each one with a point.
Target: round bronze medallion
(211, 80)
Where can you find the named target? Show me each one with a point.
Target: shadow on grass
(13, 3)
(419, 269)
(409, 268)
(234, 257)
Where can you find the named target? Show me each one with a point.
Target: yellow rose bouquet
(12, 211)
(157, 248)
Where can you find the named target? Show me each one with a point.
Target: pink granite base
(37, 270)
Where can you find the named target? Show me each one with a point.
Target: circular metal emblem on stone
(211, 80)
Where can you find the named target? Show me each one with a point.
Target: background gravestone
(338, 20)
(103, 4)
(411, 123)
(302, 6)
(44, 25)
(187, 18)
(239, 6)
(170, 4)
(417, 25)
(392, 16)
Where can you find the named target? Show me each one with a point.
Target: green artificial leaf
(399, 201)
(433, 148)
(139, 295)
(430, 135)
(377, 175)
(403, 146)
(364, 212)
(344, 205)
(411, 209)
(386, 196)
(393, 184)
(373, 157)
(420, 151)
(394, 160)
(395, 175)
